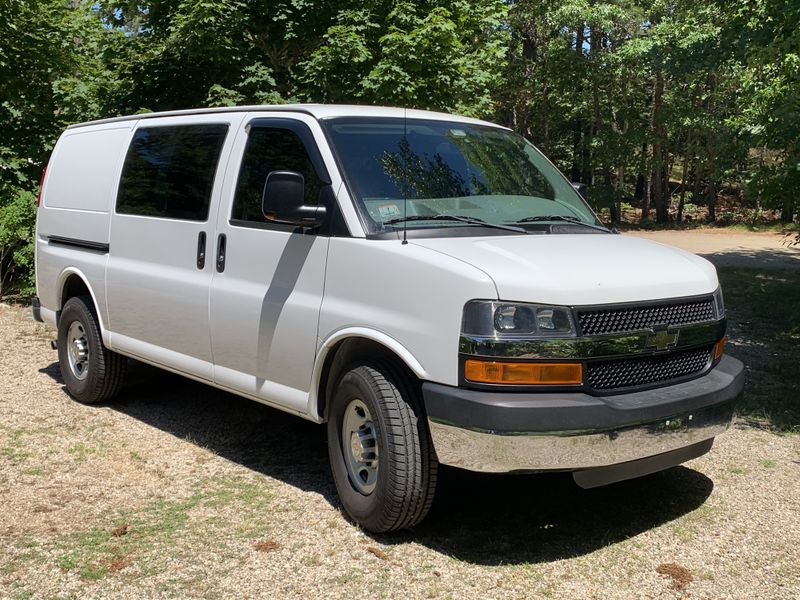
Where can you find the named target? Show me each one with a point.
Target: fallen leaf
(378, 552)
(680, 576)
(266, 545)
(118, 563)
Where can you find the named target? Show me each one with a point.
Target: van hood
(581, 269)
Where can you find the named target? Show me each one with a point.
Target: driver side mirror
(582, 189)
(283, 200)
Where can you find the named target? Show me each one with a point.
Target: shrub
(17, 224)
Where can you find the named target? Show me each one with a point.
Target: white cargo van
(428, 285)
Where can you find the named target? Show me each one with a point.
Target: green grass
(764, 332)
(773, 226)
(14, 449)
(158, 529)
(81, 451)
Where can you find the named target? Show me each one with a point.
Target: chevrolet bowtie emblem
(662, 340)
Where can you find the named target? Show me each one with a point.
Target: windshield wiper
(567, 218)
(459, 218)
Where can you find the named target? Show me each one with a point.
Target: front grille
(644, 317)
(646, 370)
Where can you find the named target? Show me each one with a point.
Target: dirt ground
(726, 248)
(177, 490)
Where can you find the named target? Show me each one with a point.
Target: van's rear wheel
(92, 373)
(380, 450)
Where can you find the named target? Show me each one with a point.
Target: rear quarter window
(169, 171)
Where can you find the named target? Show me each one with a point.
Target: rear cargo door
(159, 274)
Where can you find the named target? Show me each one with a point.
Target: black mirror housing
(283, 200)
(582, 189)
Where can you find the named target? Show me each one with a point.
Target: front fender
(357, 332)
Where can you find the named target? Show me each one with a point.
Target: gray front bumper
(595, 432)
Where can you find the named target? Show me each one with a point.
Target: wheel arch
(346, 346)
(72, 282)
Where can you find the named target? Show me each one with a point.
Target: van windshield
(418, 173)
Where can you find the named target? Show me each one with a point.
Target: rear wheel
(91, 372)
(380, 450)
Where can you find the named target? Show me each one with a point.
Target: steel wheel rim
(360, 446)
(78, 350)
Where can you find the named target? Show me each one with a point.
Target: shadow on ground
(780, 258)
(484, 519)
(763, 310)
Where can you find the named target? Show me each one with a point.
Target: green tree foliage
(224, 52)
(768, 31)
(441, 55)
(620, 92)
(53, 72)
(657, 103)
(16, 243)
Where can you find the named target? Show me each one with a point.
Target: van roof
(318, 111)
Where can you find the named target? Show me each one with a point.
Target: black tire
(104, 370)
(407, 466)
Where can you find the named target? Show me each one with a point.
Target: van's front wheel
(91, 372)
(381, 455)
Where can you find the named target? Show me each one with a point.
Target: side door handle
(221, 252)
(201, 250)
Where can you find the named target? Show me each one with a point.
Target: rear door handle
(221, 252)
(201, 250)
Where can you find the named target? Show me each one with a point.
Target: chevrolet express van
(430, 286)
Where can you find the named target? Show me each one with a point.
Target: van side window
(169, 171)
(271, 149)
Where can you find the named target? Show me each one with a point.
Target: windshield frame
(429, 231)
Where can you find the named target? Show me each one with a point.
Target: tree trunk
(595, 44)
(697, 184)
(575, 171)
(638, 191)
(683, 182)
(787, 210)
(648, 191)
(712, 201)
(659, 175)
(618, 186)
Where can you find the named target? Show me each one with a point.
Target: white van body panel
(76, 199)
(265, 309)
(317, 111)
(265, 304)
(84, 167)
(325, 346)
(158, 298)
(581, 269)
(408, 293)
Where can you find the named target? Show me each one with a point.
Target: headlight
(492, 318)
(719, 303)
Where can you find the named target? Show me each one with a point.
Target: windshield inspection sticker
(389, 211)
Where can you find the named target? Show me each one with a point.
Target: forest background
(673, 113)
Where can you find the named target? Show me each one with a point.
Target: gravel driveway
(179, 490)
(726, 248)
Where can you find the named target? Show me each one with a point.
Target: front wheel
(381, 455)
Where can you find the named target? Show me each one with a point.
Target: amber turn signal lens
(481, 371)
(718, 348)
